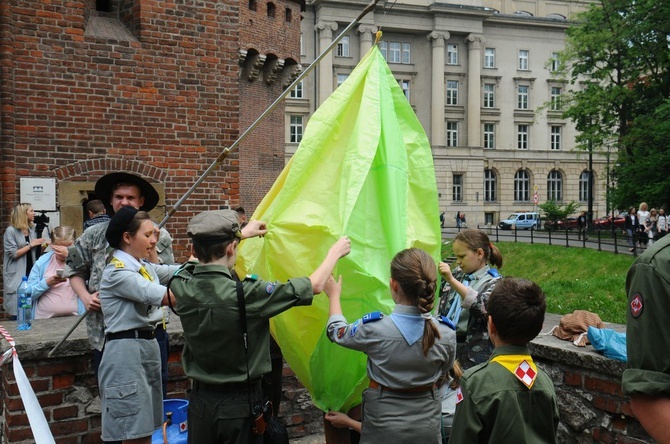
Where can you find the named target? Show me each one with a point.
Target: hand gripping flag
(363, 169)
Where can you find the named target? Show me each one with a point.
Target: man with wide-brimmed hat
(87, 257)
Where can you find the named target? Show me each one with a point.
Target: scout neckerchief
(521, 366)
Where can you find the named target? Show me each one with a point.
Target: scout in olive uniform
(508, 399)
(408, 352)
(466, 290)
(647, 376)
(132, 292)
(226, 380)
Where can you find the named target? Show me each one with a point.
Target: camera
(41, 222)
(258, 414)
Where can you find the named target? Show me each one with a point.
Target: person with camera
(227, 403)
(22, 247)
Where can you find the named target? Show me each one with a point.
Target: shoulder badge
(446, 321)
(373, 317)
(117, 263)
(459, 395)
(251, 277)
(636, 305)
(493, 272)
(270, 287)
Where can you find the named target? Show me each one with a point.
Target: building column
(365, 40)
(325, 68)
(437, 125)
(474, 42)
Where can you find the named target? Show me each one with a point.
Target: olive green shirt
(647, 334)
(498, 408)
(207, 306)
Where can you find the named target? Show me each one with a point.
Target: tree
(618, 58)
(553, 212)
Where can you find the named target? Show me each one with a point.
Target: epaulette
(446, 321)
(251, 277)
(494, 272)
(373, 317)
(117, 263)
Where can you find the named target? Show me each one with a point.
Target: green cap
(214, 227)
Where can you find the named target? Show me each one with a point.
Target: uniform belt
(130, 334)
(229, 387)
(424, 388)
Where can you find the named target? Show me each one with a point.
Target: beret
(118, 225)
(216, 226)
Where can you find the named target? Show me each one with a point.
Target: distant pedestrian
(458, 219)
(96, 213)
(581, 226)
(442, 219)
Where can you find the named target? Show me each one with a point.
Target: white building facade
(482, 78)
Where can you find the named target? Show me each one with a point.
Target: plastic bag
(609, 342)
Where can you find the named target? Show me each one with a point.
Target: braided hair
(416, 273)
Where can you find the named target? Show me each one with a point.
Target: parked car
(569, 223)
(605, 223)
(521, 221)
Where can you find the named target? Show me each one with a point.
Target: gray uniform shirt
(393, 362)
(128, 299)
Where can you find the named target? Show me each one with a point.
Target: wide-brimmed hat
(104, 185)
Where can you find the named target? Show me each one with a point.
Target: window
(522, 136)
(103, 5)
(584, 186)
(556, 98)
(343, 47)
(490, 184)
(341, 78)
(271, 10)
(523, 59)
(295, 129)
(522, 186)
(489, 95)
(452, 54)
(452, 92)
(457, 190)
(404, 85)
(522, 97)
(383, 48)
(252, 5)
(452, 133)
(489, 218)
(555, 186)
(555, 142)
(406, 53)
(296, 93)
(489, 58)
(489, 135)
(555, 62)
(289, 15)
(396, 52)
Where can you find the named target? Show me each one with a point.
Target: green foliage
(553, 212)
(617, 56)
(572, 278)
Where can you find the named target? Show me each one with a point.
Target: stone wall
(592, 407)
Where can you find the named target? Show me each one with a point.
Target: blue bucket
(177, 432)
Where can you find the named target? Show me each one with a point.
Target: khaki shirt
(207, 306)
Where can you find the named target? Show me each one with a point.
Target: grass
(572, 278)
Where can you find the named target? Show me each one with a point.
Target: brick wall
(152, 84)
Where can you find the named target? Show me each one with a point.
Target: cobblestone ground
(311, 439)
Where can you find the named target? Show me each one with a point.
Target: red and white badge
(459, 395)
(341, 332)
(636, 305)
(525, 373)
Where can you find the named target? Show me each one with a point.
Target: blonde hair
(19, 217)
(63, 234)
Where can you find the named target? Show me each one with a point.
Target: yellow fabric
(145, 274)
(512, 363)
(117, 263)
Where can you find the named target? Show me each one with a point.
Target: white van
(521, 221)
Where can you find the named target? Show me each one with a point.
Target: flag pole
(246, 132)
(274, 104)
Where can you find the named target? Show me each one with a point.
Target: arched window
(522, 186)
(557, 16)
(555, 186)
(584, 186)
(272, 9)
(523, 13)
(490, 185)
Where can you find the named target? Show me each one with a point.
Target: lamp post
(589, 220)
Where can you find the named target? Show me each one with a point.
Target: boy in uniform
(226, 374)
(508, 399)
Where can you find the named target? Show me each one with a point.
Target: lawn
(572, 278)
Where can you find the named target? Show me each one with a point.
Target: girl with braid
(408, 352)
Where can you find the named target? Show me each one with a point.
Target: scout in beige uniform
(224, 388)
(407, 351)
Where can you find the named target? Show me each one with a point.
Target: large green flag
(364, 169)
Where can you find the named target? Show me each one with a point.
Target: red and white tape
(38, 422)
